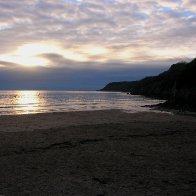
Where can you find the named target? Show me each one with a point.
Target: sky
(83, 45)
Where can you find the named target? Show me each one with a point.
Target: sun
(35, 49)
(38, 54)
(29, 54)
(31, 61)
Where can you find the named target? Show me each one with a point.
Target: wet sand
(98, 153)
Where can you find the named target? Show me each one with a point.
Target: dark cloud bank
(64, 79)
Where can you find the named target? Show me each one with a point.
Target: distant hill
(119, 86)
(177, 85)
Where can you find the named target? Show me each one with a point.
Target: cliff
(119, 86)
(177, 85)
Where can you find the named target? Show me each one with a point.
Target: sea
(29, 102)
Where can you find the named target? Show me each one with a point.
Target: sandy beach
(98, 153)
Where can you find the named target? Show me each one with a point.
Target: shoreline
(98, 153)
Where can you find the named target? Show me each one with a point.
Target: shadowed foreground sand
(98, 153)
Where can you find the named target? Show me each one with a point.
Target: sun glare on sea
(29, 101)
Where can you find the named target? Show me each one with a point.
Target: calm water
(26, 102)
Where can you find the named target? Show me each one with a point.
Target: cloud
(70, 79)
(190, 5)
(6, 64)
(127, 31)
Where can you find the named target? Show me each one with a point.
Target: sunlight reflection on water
(27, 102)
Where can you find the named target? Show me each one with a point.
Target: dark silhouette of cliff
(119, 86)
(177, 85)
